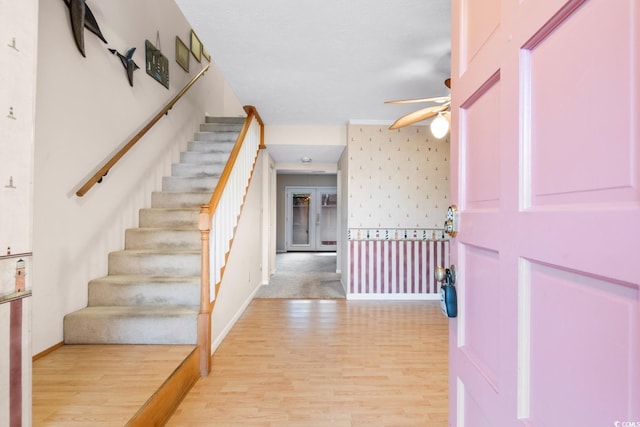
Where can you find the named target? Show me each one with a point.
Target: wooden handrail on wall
(207, 212)
(97, 177)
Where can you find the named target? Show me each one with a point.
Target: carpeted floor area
(304, 275)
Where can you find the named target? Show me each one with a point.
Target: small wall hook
(11, 114)
(10, 185)
(13, 45)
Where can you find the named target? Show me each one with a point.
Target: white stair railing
(226, 215)
(218, 221)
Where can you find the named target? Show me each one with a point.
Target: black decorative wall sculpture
(81, 18)
(127, 61)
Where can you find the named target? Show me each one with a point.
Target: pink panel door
(546, 167)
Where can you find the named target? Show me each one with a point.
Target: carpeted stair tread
(132, 325)
(152, 252)
(224, 120)
(127, 279)
(196, 157)
(208, 146)
(197, 169)
(150, 261)
(167, 199)
(190, 183)
(221, 127)
(162, 238)
(169, 217)
(141, 311)
(215, 137)
(139, 290)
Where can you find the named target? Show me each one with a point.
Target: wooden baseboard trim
(51, 349)
(161, 405)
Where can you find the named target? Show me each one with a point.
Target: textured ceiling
(326, 62)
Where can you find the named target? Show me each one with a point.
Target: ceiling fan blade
(417, 116)
(438, 99)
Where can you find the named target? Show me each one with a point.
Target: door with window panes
(311, 218)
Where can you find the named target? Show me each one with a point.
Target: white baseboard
(394, 297)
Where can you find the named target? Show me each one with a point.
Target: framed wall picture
(156, 64)
(206, 55)
(196, 46)
(182, 54)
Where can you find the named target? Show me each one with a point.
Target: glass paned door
(327, 218)
(300, 218)
(311, 218)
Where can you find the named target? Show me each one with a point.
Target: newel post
(204, 316)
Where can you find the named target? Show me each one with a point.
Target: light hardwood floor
(99, 385)
(285, 363)
(326, 363)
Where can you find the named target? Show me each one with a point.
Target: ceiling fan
(441, 109)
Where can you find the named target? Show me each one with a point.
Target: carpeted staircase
(151, 294)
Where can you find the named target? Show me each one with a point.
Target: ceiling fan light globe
(439, 126)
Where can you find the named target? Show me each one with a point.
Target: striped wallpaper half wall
(396, 267)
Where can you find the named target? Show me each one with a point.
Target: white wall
(18, 52)
(343, 208)
(86, 110)
(243, 271)
(17, 117)
(305, 135)
(293, 142)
